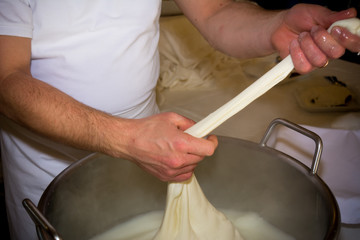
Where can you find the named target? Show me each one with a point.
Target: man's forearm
(158, 143)
(53, 114)
(252, 31)
(225, 24)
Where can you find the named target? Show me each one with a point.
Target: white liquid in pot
(190, 216)
(144, 227)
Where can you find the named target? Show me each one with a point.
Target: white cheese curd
(189, 215)
(144, 227)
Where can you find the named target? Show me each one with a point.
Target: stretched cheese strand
(255, 90)
(188, 214)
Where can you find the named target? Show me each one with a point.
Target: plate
(326, 94)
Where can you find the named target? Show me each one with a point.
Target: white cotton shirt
(102, 53)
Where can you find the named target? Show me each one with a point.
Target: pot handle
(40, 221)
(299, 129)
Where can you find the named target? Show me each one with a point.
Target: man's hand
(304, 35)
(159, 145)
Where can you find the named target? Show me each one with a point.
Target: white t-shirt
(76, 47)
(102, 53)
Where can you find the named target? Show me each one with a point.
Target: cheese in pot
(144, 227)
(189, 216)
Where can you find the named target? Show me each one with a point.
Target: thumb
(326, 21)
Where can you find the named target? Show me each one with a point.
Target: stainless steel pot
(98, 192)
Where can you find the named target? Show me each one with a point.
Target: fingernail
(314, 29)
(302, 35)
(336, 30)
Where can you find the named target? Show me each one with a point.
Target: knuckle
(180, 145)
(167, 115)
(173, 163)
(172, 115)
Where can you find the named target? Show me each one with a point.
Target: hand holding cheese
(308, 41)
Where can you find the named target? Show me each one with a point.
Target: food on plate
(326, 96)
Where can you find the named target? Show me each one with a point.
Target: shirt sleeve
(15, 18)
